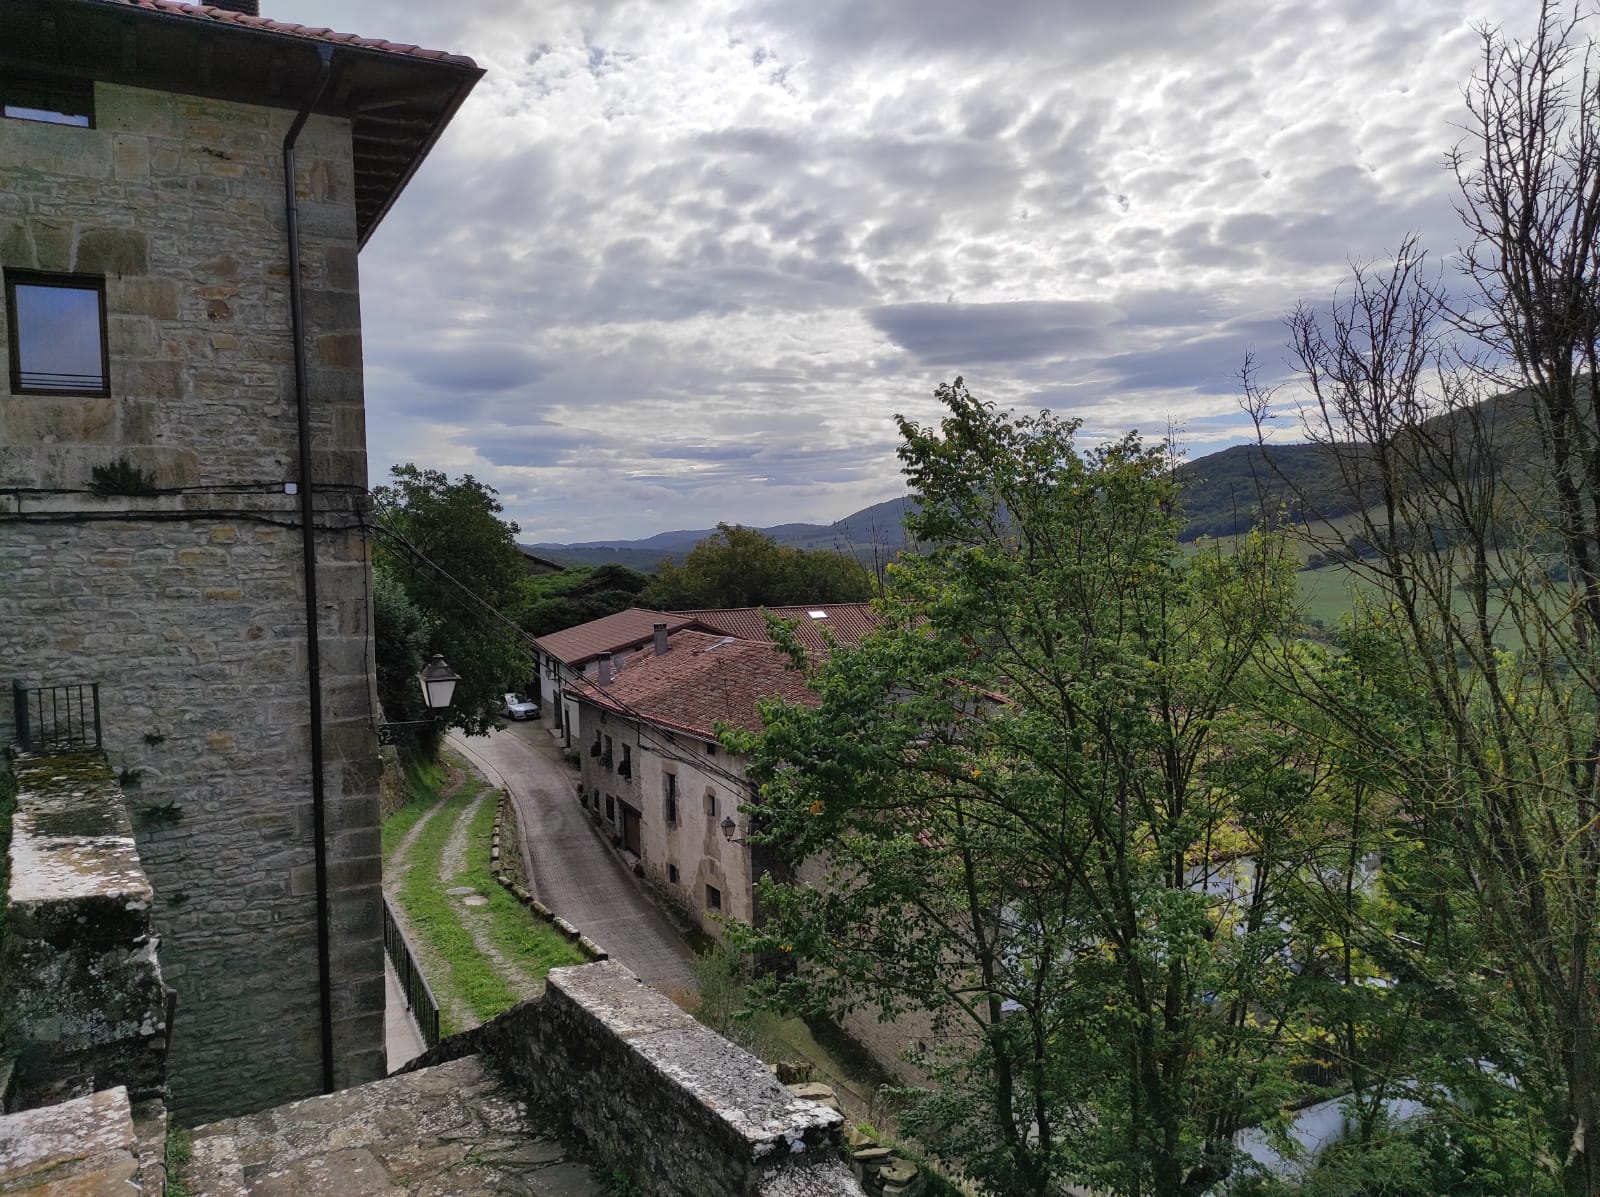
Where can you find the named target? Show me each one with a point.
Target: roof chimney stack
(605, 670)
(661, 639)
(251, 8)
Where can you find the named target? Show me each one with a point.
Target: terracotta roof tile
(846, 623)
(626, 629)
(222, 16)
(701, 680)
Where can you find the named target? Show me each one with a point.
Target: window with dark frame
(51, 102)
(669, 783)
(672, 873)
(611, 807)
(713, 898)
(711, 803)
(56, 325)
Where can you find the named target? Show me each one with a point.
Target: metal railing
(57, 718)
(419, 998)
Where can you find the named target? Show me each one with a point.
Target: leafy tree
(1047, 817)
(743, 567)
(552, 602)
(1469, 685)
(400, 640)
(457, 562)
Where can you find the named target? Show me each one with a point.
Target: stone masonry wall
(187, 606)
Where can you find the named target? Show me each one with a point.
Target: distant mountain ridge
(877, 526)
(1222, 494)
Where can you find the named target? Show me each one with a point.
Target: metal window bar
(57, 718)
(419, 998)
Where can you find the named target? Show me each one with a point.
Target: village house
(183, 473)
(564, 657)
(655, 776)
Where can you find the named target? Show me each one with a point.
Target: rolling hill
(1222, 494)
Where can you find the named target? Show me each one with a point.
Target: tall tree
(1047, 817)
(744, 567)
(459, 565)
(1469, 682)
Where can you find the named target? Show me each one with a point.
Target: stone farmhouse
(184, 574)
(565, 657)
(655, 776)
(644, 721)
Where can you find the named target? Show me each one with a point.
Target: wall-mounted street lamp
(438, 682)
(728, 828)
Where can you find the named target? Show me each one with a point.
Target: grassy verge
(435, 916)
(425, 782)
(437, 919)
(8, 807)
(517, 934)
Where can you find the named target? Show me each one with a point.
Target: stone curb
(535, 907)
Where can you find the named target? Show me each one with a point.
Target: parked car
(515, 706)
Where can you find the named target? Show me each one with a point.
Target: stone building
(183, 488)
(654, 775)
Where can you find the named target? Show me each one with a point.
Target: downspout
(308, 552)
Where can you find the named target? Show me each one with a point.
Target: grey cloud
(1207, 365)
(952, 334)
(477, 369)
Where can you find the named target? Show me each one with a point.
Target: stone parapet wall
(85, 1004)
(684, 1112)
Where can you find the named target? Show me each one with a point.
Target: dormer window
(57, 325)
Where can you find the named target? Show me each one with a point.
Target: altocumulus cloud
(681, 262)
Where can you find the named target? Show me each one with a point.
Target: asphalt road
(574, 874)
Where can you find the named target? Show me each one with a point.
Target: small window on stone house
(669, 786)
(713, 898)
(52, 101)
(57, 330)
(672, 873)
(711, 804)
(611, 808)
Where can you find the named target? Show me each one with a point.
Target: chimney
(661, 639)
(605, 670)
(251, 8)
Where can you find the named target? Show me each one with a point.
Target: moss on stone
(8, 807)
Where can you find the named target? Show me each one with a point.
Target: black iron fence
(57, 718)
(419, 998)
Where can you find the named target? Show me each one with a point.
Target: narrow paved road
(574, 874)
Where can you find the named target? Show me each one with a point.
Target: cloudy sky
(680, 261)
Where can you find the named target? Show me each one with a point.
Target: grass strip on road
(523, 939)
(438, 920)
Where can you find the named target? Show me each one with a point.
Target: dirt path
(452, 863)
(454, 1009)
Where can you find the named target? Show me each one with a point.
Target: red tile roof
(702, 680)
(223, 16)
(625, 630)
(846, 623)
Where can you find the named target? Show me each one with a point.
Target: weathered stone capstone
(86, 1004)
(640, 1083)
(85, 1147)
